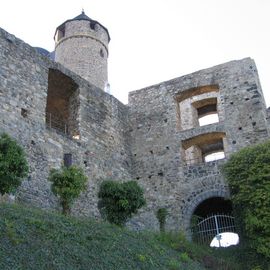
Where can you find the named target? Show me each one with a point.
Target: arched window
(204, 148)
(197, 106)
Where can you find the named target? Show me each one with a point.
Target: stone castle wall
(103, 146)
(156, 139)
(164, 121)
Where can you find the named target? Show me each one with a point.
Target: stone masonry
(156, 139)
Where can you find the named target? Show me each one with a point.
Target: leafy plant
(248, 174)
(161, 215)
(67, 183)
(142, 258)
(184, 257)
(11, 232)
(13, 164)
(119, 201)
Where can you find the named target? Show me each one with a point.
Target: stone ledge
(197, 131)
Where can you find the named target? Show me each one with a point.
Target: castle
(59, 112)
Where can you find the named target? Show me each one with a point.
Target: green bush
(118, 201)
(67, 183)
(13, 164)
(161, 215)
(248, 175)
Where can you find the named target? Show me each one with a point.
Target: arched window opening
(62, 104)
(197, 107)
(204, 148)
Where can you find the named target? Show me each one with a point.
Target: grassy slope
(35, 239)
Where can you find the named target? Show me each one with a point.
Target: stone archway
(190, 207)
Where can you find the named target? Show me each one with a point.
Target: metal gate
(204, 231)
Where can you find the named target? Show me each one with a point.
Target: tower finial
(82, 10)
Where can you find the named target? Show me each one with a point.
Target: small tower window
(92, 25)
(60, 34)
(101, 52)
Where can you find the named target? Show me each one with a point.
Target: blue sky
(155, 40)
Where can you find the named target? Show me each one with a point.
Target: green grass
(36, 239)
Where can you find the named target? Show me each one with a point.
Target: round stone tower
(81, 45)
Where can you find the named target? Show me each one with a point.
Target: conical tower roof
(81, 17)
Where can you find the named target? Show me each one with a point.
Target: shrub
(248, 175)
(13, 164)
(118, 201)
(184, 257)
(161, 215)
(67, 183)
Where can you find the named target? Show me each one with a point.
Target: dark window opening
(92, 25)
(24, 112)
(67, 160)
(101, 52)
(62, 104)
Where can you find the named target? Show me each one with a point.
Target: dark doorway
(212, 206)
